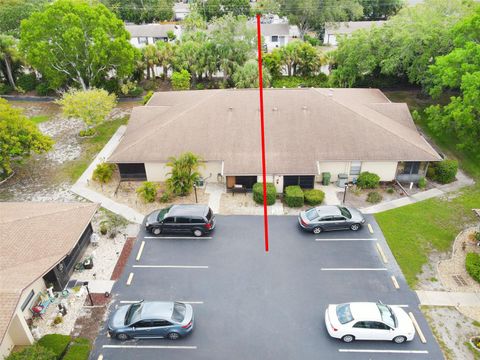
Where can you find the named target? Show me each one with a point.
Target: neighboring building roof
(346, 28)
(34, 237)
(303, 126)
(150, 30)
(280, 29)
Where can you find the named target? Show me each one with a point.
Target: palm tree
(184, 173)
(8, 53)
(165, 55)
(150, 57)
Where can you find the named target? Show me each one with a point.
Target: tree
(166, 55)
(380, 9)
(266, 7)
(189, 54)
(181, 80)
(311, 15)
(12, 12)
(141, 11)
(151, 59)
(19, 137)
(211, 9)
(74, 40)
(459, 71)
(273, 62)
(8, 53)
(184, 173)
(246, 76)
(92, 106)
(299, 58)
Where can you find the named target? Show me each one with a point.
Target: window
(169, 220)
(338, 218)
(143, 324)
(275, 38)
(27, 300)
(344, 314)
(197, 221)
(345, 212)
(179, 311)
(142, 40)
(182, 220)
(411, 167)
(380, 326)
(361, 325)
(160, 323)
(355, 167)
(312, 214)
(328, 218)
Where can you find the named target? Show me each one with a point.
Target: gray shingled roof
(150, 30)
(303, 126)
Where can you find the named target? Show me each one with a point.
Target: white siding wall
(385, 169)
(159, 171)
(334, 168)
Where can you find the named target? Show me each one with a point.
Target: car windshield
(344, 314)
(179, 311)
(162, 213)
(312, 214)
(388, 317)
(132, 310)
(345, 212)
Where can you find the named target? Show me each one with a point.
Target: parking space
(260, 305)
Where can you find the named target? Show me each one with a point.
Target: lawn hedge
(258, 193)
(294, 196)
(472, 264)
(35, 352)
(367, 180)
(55, 342)
(445, 171)
(314, 196)
(79, 350)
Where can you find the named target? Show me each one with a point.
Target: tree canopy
(211, 9)
(12, 12)
(141, 11)
(459, 71)
(246, 76)
(19, 137)
(380, 9)
(75, 41)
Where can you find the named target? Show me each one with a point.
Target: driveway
(254, 305)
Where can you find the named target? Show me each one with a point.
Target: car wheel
(173, 336)
(317, 230)
(122, 337)
(348, 338)
(355, 227)
(197, 232)
(156, 231)
(399, 339)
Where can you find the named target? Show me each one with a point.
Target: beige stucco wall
(334, 168)
(385, 169)
(6, 346)
(37, 286)
(159, 171)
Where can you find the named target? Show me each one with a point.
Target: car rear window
(344, 314)
(312, 214)
(210, 214)
(179, 311)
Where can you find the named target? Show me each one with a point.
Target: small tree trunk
(165, 72)
(9, 73)
(82, 83)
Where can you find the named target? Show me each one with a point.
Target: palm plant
(8, 54)
(184, 173)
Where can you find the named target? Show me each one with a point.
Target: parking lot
(250, 304)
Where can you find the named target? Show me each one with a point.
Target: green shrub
(422, 183)
(27, 82)
(181, 80)
(374, 197)
(200, 86)
(431, 172)
(103, 172)
(313, 196)
(43, 89)
(390, 190)
(35, 352)
(258, 193)
(136, 91)
(166, 196)
(319, 80)
(445, 171)
(312, 40)
(294, 196)
(56, 343)
(472, 264)
(5, 89)
(147, 191)
(79, 350)
(103, 228)
(150, 85)
(367, 180)
(147, 97)
(112, 86)
(87, 132)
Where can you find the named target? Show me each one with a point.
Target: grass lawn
(40, 118)
(90, 148)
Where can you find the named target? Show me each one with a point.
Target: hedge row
(55, 347)
(79, 350)
(258, 193)
(294, 196)
(56, 343)
(443, 172)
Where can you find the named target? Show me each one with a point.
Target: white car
(368, 321)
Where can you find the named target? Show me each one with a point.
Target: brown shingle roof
(303, 126)
(34, 237)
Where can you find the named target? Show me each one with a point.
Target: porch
(411, 171)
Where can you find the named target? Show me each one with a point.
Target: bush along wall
(258, 193)
(445, 171)
(367, 180)
(314, 196)
(294, 196)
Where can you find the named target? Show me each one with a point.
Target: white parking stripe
(353, 269)
(350, 239)
(384, 351)
(136, 301)
(402, 306)
(148, 347)
(171, 266)
(395, 282)
(130, 278)
(370, 228)
(382, 254)
(177, 237)
(417, 327)
(139, 255)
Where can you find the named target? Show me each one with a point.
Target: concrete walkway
(215, 191)
(331, 191)
(445, 298)
(81, 186)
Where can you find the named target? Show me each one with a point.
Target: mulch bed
(89, 325)
(122, 260)
(98, 300)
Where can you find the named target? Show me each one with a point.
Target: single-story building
(308, 131)
(276, 35)
(335, 30)
(40, 245)
(148, 34)
(181, 10)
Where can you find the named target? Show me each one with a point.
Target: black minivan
(197, 220)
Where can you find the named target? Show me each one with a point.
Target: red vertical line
(262, 127)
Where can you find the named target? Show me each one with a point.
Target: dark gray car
(328, 218)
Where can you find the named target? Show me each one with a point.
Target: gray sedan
(153, 319)
(327, 218)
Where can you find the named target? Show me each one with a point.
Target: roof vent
(304, 107)
(230, 108)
